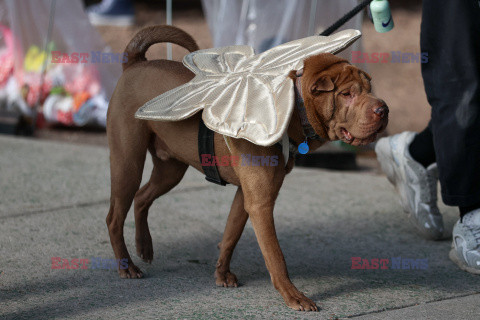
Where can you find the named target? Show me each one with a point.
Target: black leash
(349, 15)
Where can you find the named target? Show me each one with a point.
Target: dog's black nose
(381, 111)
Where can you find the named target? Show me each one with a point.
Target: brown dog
(339, 105)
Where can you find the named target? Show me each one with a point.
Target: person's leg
(450, 33)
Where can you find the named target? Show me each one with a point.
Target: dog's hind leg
(127, 159)
(233, 230)
(166, 174)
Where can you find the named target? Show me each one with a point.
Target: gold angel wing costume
(243, 95)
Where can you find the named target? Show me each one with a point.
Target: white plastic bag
(263, 24)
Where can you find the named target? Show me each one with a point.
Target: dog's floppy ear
(315, 64)
(322, 84)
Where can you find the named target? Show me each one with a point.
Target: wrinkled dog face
(339, 101)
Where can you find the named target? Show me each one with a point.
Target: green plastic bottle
(381, 15)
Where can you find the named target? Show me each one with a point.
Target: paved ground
(54, 201)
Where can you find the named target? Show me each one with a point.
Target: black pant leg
(450, 33)
(422, 149)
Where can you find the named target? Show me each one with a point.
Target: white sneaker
(416, 185)
(466, 242)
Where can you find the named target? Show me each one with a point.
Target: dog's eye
(346, 94)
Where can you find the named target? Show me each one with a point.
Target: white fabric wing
(217, 60)
(243, 95)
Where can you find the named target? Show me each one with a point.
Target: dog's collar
(308, 130)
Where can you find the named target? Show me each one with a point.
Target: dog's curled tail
(138, 46)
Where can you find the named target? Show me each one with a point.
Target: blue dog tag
(303, 148)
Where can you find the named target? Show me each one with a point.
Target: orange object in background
(79, 99)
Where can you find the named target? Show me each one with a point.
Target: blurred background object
(111, 13)
(263, 24)
(40, 79)
(255, 22)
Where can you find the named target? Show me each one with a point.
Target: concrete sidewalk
(54, 200)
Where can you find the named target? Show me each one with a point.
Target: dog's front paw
(298, 301)
(132, 272)
(226, 279)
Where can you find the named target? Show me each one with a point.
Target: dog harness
(206, 146)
